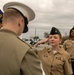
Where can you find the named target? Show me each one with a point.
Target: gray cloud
(49, 13)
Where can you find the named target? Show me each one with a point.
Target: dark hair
(70, 32)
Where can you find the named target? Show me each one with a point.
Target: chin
(53, 45)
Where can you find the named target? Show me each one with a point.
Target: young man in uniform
(1, 16)
(16, 56)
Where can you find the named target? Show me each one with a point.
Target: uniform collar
(8, 31)
(60, 51)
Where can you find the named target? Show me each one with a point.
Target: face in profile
(72, 33)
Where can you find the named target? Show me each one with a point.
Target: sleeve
(64, 45)
(41, 52)
(67, 66)
(41, 41)
(30, 64)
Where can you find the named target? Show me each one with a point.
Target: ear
(60, 41)
(20, 21)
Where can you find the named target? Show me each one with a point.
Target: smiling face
(55, 39)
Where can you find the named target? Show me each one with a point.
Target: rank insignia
(60, 58)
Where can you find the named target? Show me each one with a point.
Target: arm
(41, 41)
(31, 64)
(64, 46)
(67, 66)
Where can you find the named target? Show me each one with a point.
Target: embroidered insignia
(60, 58)
(56, 31)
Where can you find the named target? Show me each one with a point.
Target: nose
(52, 38)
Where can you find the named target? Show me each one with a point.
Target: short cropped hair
(11, 15)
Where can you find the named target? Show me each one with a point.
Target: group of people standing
(59, 59)
(19, 58)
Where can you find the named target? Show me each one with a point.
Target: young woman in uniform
(55, 60)
(69, 47)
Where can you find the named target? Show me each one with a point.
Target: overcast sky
(49, 13)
